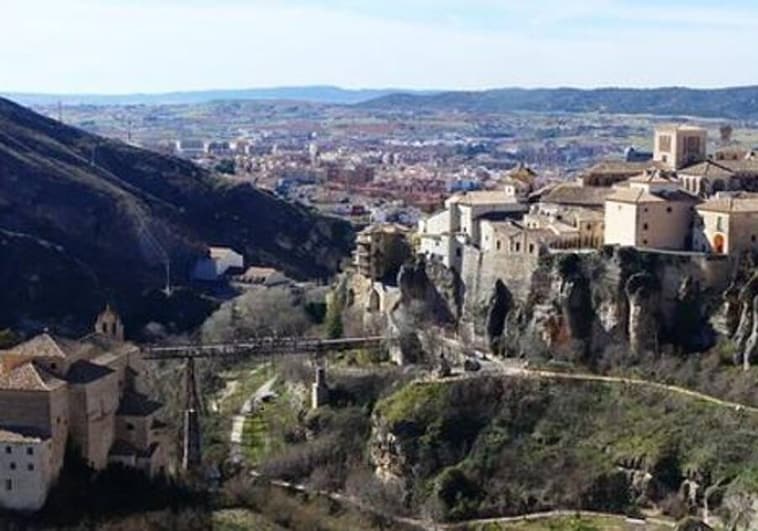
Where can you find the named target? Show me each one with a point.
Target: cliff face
(119, 210)
(582, 304)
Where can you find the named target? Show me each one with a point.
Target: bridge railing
(260, 346)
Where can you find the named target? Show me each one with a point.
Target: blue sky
(118, 46)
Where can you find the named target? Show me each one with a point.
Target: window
(30, 467)
(668, 209)
(130, 426)
(719, 223)
(589, 227)
(531, 248)
(644, 242)
(498, 244)
(518, 247)
(457, 253)
(13, 466)
(644, 226)
(8, 450)
(8, 484)
(30, 451)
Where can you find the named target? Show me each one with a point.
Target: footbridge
(262, 346)
(250, 348)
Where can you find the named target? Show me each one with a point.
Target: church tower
(109, 324)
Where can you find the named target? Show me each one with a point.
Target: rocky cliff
(583, 304)
(117, 211)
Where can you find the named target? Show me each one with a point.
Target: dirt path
(238, 421)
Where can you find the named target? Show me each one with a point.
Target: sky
(126, 46)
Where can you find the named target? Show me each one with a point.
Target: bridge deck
(260, 347)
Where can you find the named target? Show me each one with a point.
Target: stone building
(54, 391)
(678, 146)
(652, 212)
(380, 251)
(443, 235)
(727, 225)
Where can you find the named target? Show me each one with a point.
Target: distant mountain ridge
(731, 103)
(314, 94)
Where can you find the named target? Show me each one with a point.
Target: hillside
(735, 103)
(74, 206)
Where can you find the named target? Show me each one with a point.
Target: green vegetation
(486, 447)
(572, 523)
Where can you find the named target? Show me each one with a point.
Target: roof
(22, 434)
(574, 194)
(640, 195)
(482, 197)
(707, 168)
(389, 228)
(29, 377)
(135, 404)
(652, 177)
(41, 346)
(501, 216)
(219, 252)
(731, 205)
(83, 372)
(622, 167)
(507, 229)
(749, 166)
(679, 127)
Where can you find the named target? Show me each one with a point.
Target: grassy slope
(533, 446)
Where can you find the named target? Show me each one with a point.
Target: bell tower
(109, 324)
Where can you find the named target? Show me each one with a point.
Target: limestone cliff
(581, 304)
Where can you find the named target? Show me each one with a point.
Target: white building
(26, 471)
(220, 261)
(443, 235)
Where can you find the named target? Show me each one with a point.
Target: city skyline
(114, 46)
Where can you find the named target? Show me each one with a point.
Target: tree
(226, 166)
(726, 133)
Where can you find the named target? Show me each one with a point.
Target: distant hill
(314, 94)
(733, 103)
(84, 219)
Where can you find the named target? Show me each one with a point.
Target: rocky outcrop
(500, 304)
(641, 291)
(746, 333)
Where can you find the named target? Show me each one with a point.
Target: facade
(380, 251)
(443, 236)
(652, 212)
(54, 391)
(727, 225)
(26, 468)
(678, 146)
